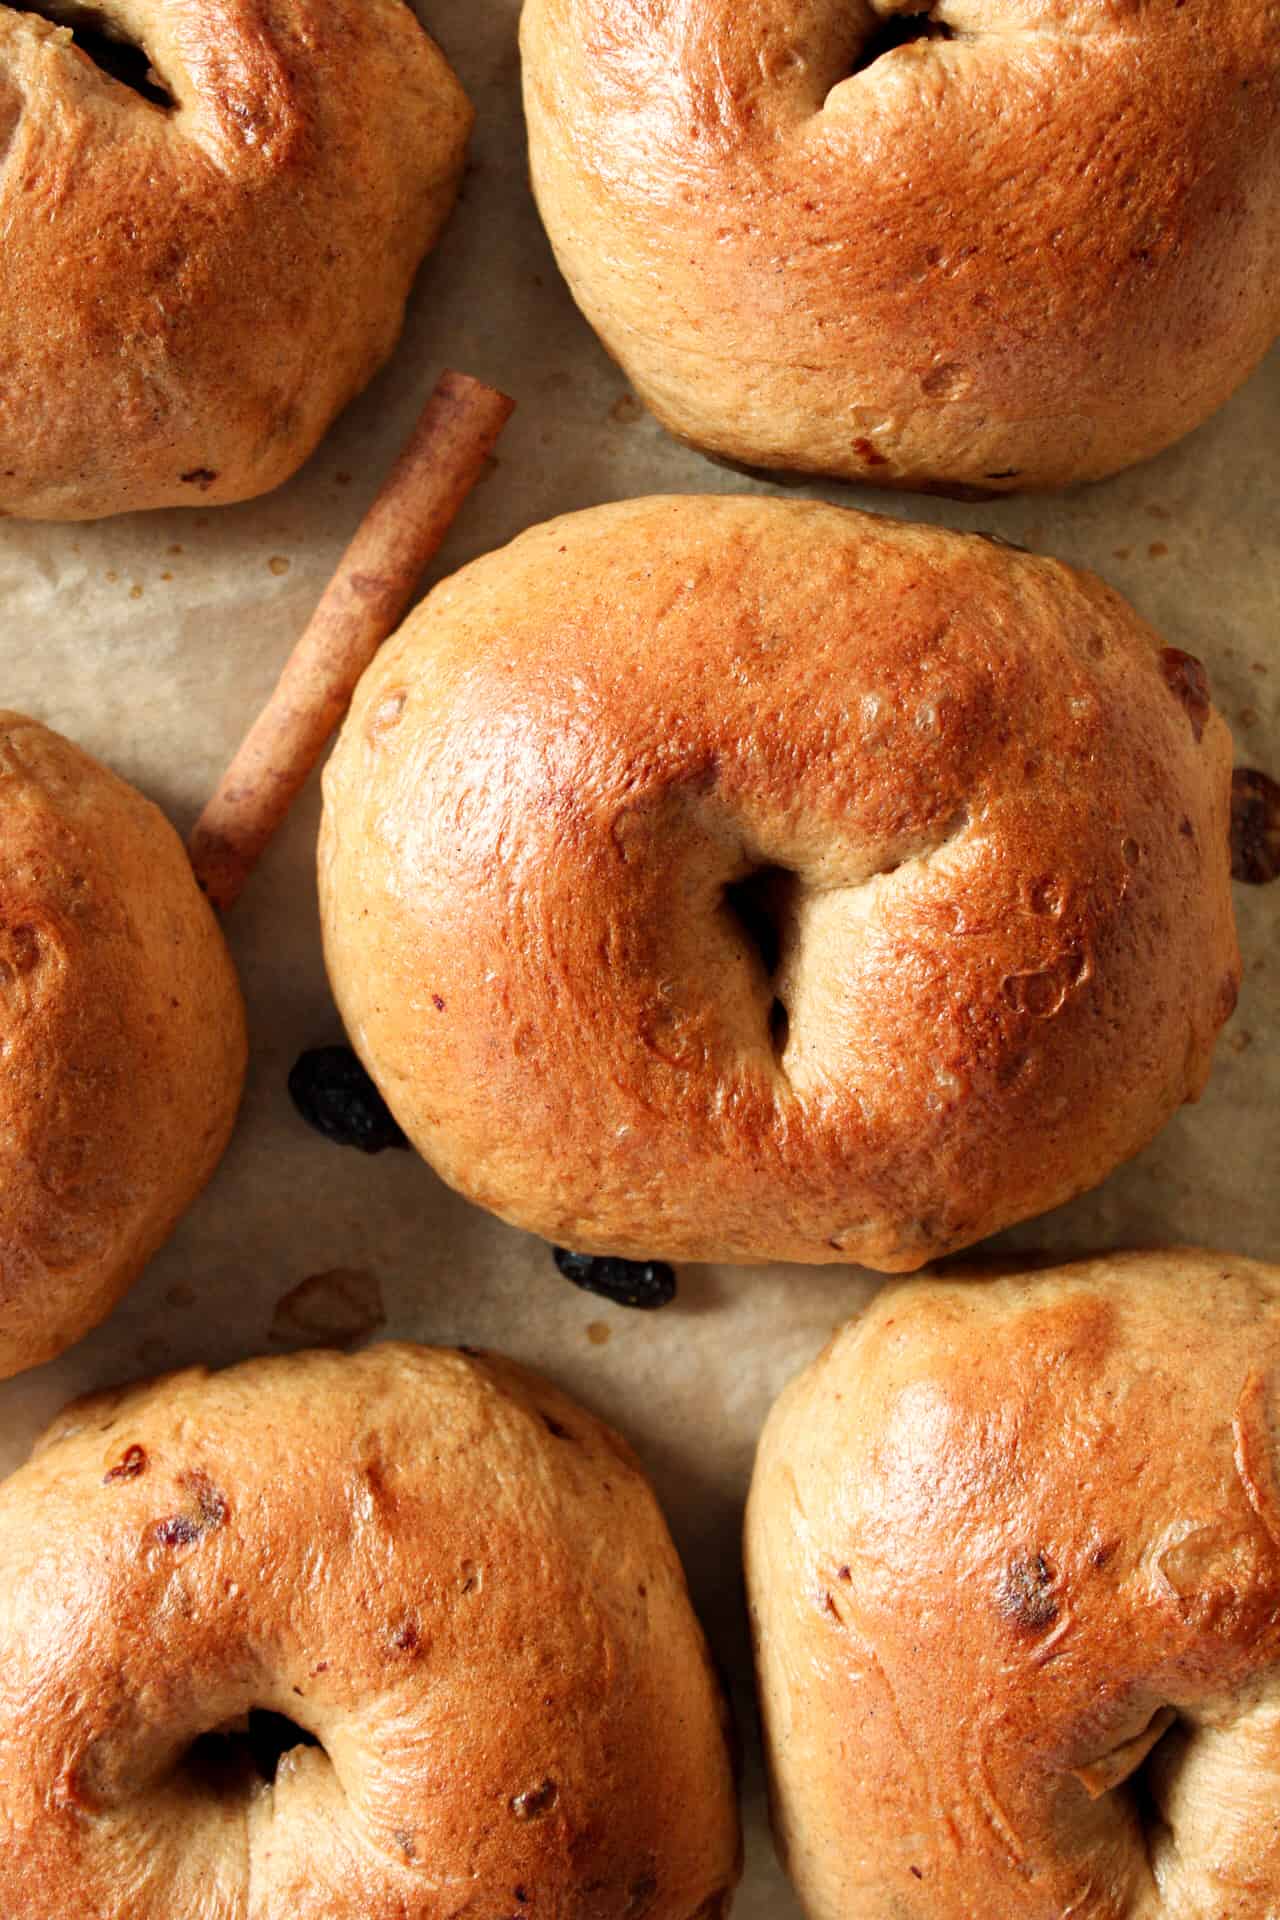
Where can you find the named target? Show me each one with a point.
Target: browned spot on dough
(942, 381)
(177, 1532)
(210, 1503)
(535, 1802)
(1255, 827)
(597, 1333)
(1157, 550)
(334, 1309)
(1187, 681)
(1024, 1595)
(132, 1463)
(406, 1638)
(868, 453)
(211, 1511)
(202, 477)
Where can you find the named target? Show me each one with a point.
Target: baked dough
(122, 1035)
(1013, 1554)
(728, 879)
(450, 1577)
(189, 293)
(1036, 242)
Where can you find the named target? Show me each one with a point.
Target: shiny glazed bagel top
(200, 269)
(743, 880)
(1032, 245)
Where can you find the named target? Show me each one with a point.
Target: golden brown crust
(122, 1033)
(188, 297)
(1013, 1555)
(1004, 916)
(462, 1587)
(1023, 256)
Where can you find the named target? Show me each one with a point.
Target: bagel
(394, 1637)
(981, 246)
(122, 1033)
(1013, 1557)
(205, 261)
(729, 879)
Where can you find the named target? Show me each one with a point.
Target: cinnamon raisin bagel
(728, 879)
(122, 1035)
(211, 216)
(1013, 1553)
(394, 1637)
(975, 245)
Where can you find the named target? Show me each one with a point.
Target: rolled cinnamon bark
(362, 605)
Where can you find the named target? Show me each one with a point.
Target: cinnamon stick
(363, 603)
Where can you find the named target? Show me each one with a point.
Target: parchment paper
(152, 641)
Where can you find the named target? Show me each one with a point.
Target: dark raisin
(1255, 827)
(178, 1532)
(646, 1284)
(536, 1802)
(334, 1094)
(133, 1462)
(1025, 1594)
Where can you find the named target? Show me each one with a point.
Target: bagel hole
(756, 904)
(233, 1757)
(1161, 1757)
(896, 30)
(120, 58)
(759, 905)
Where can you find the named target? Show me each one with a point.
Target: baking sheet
(152, 641)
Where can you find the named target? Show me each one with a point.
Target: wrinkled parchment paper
(152, 641)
